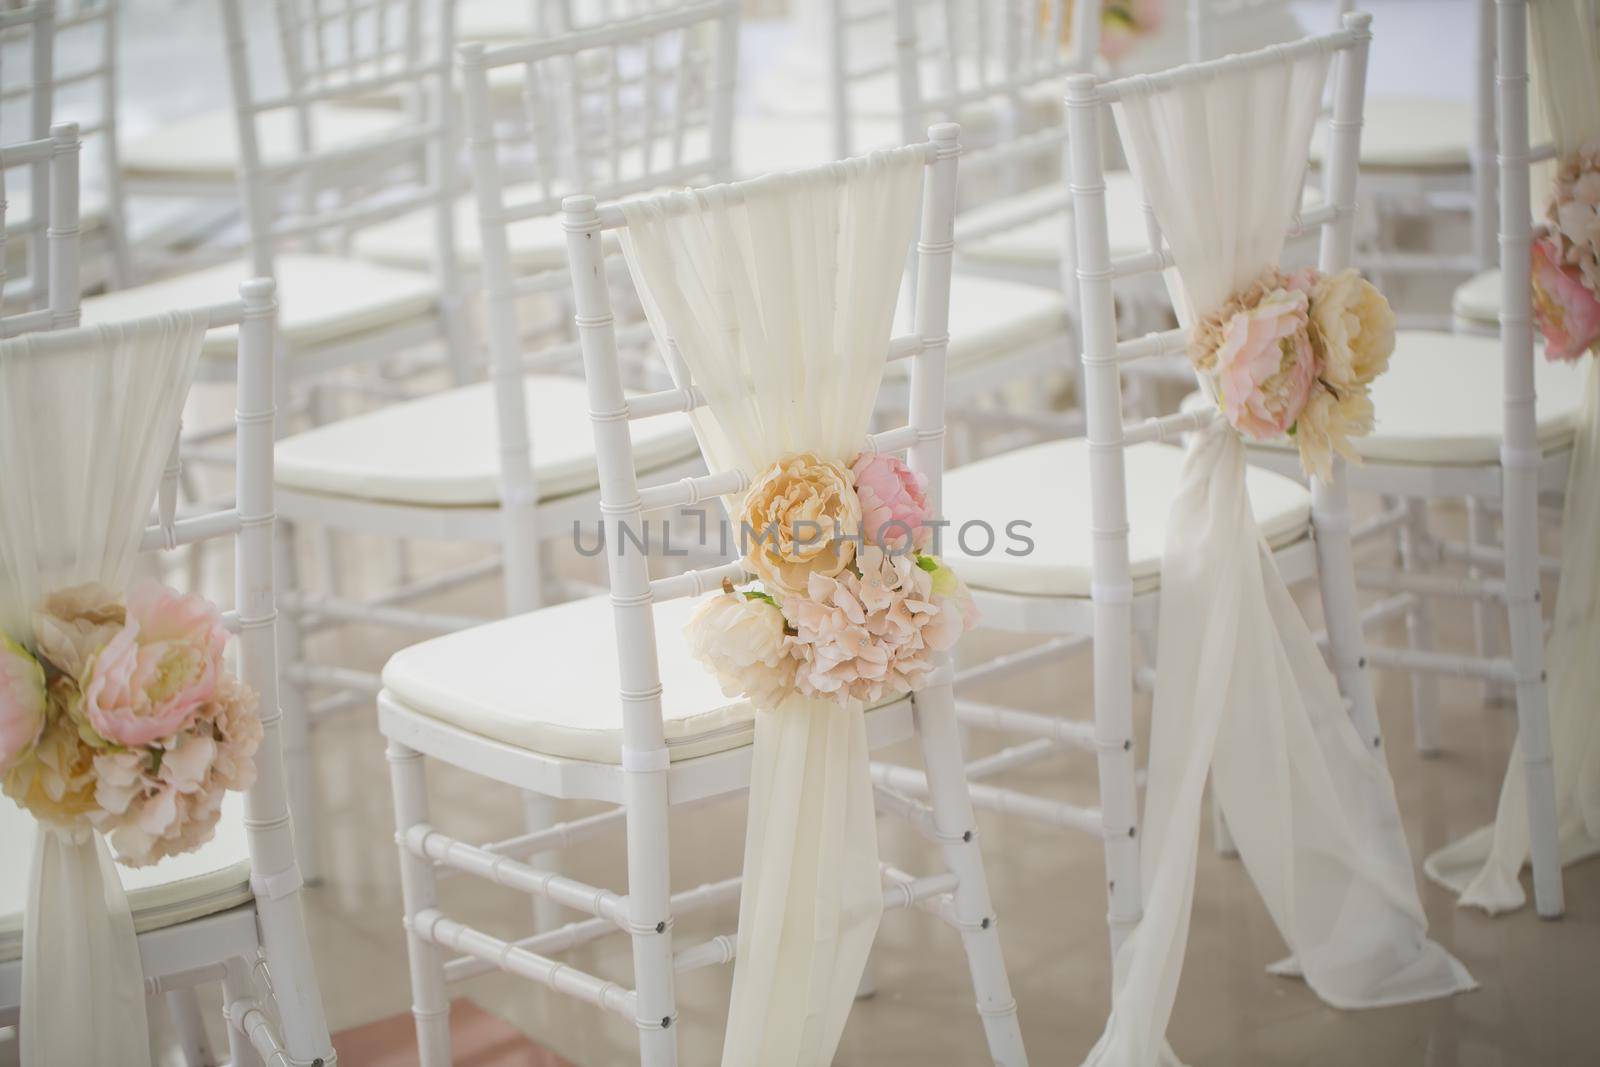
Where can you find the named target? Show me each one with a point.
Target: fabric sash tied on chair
(1242, 691)
(780, 296)
(85, 431)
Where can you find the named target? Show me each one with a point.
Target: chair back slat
(51, 297)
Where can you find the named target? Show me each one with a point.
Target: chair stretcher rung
(427, 843)
(1167, 427)
(896, 440)
(1141, 263)
(1031, 723)
(905, 347)
(722, 949)
(668, 400)
(1427, 662)
(689, 491)
(1438, 585)
(696, 582)
(1166, 343)
(432, 925)
(1005, 801)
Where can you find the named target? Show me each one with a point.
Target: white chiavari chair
(645, 728)
(82, 87)
(684, 69)
(230, 912)
(506, 462)
(27, 58)
(1097, 584)
(1486, 420)
(304, 204)
(49, 299)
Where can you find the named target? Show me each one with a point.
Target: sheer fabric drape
(1242, 691)
(87, 417)
(1484, 866)
(780, 294)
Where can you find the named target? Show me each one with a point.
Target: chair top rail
(611, 216)
(1088, 89)
(23, 16)
(27, 152)
(229, 313)
(475, 54)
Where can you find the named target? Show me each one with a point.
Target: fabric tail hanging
(1242, 691)
(779, 294)
(1483, 867)
(87, 418)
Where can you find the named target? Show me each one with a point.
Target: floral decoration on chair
(1566, 261)
(849, 604)
(123, 719)
(1122, 23)
(1296, 354)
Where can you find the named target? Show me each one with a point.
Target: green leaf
(928, 563)
(756, 594)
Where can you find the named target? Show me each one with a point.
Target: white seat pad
(1038, 243)
(320, 299)
(178, 889)
(1410, 133)
(493, 20)
(205, 147)
(1440, 402)
(990, 317)
(91, 209)
(1048, 485)
(1478, 300)
(442, 450)
(547, 682)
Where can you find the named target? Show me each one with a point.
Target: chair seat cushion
(1440, 402)
(1410, 133)
(1478, 299)
(990, 317)
(205, 147)
(547, 682)
(442, 449)
(91, 210)
(493, 20)
(178, 889)
(320, 299)
(1056, 503)
(1038, 243)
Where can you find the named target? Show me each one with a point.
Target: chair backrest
(623, 504)
(632, 106)
(51, 296)
(1088, 109)
(27, 61)
(355, 53)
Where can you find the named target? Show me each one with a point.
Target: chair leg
(1520, 524)
(430, 1006)
(650, 917)
(298, 767)
(236, 986)
(1485, 623)
(1414, 541)
(189, 1023)
(958, 833)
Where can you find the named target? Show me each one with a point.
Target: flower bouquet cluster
(122, 718)
(849, 604)
(1296, 354)
(1566, 261)
(1122, 23)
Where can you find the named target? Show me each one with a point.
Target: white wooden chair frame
(52, 239)
(519, 522)
(1505, 577)
(1114, 614)
(33, 24)
(269, 932)
(646, 783)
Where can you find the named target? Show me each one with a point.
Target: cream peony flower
(1326, 426)
(55, 781)
(741, 639)
(1352, 327)
(24, 703)
(801, 517)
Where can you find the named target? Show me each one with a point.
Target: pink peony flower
(1266, 366)
(1566, 310)
(159, 669)
(22, 702)
(894, 502)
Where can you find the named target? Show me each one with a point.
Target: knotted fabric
(1242, 690)
(87, 417)
(780, 295)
